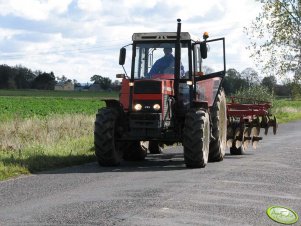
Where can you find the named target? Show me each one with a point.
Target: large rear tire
(154, 147)
(219, 129)
(105, 137)
(196, 138)
(134, 151)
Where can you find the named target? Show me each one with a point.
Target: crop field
(26, 104)
(46, 129)
(26, 107)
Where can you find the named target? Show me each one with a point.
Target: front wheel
(196, 138)
(107, 149)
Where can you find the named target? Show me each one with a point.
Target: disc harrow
(245, 119)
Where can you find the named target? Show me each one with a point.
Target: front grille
(143, 116)
(147, 87)
(144, 120)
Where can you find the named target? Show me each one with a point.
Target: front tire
(196, 138)
(219, 129)
(105, 137)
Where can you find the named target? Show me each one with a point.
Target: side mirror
(203, 49)
(122, 56)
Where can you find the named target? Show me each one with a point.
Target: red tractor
(176, 105)
(173, 101)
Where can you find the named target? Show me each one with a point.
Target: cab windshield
(154, 60)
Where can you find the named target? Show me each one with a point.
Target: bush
(255, 93)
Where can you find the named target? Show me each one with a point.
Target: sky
(81, 38)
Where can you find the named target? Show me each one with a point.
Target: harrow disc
(230, 136)
(238, 137)
(247, 138)
(274, 124)
(255, 141)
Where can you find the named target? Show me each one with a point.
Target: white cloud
(89, 5)
(80, 38)
(32, 9)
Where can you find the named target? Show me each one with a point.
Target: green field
(46, 129)
(26, 107)
(26, 104)
(42, 130)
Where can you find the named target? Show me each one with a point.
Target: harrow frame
(245, 117)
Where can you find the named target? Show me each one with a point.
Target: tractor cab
(155, 56)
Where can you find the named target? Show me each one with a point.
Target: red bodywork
(239, 110)
(166, 89)
(206, 90)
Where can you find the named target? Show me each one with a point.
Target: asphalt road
(161, 191)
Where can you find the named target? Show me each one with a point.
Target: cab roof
(156, 36)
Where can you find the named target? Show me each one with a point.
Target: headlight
(156, 107)
(138, 107)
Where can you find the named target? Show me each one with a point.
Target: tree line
(19, 77)
(235, 81)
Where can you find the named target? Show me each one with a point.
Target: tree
(6, 77)
(233, 81)
(96, 79)
(295, 87)
(251, 76)
(62, 80)
(104, 82)
(44, 81)
(269, 82)
(116, 85)
(76, 83)
(24, 77)
(275, 37)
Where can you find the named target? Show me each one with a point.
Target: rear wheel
(196, 138)
(154, 147)
(105, 137)
(219, 129)
(134, 151)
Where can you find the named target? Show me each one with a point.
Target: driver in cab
(165, 65)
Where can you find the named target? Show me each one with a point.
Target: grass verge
(287, 110)
(39, 158)
(36, 144)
